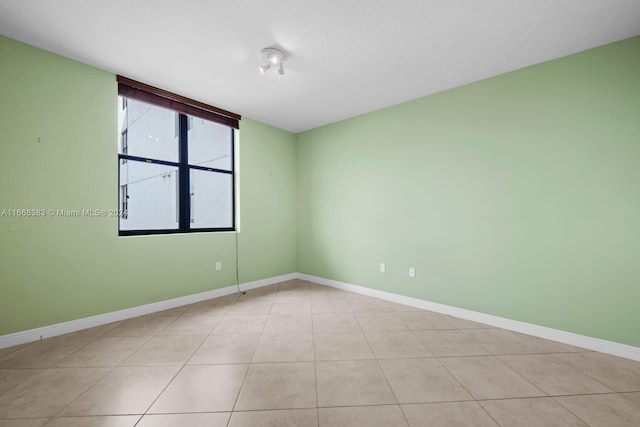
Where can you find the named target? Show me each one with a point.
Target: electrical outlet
(383, 267)
(218, 266)
(412, 272)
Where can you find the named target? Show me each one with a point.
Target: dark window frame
(186, 109)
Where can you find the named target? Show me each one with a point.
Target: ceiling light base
(271, 56)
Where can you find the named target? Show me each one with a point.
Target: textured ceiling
(346, 57)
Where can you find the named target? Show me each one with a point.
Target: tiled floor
(300, 354)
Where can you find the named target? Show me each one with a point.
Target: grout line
(568, 410)
(580, 370)
(246, 374)
(315, 367)
(85, 390)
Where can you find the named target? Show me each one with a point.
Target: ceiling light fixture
(271, 56)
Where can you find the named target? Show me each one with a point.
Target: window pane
(152, 191)
(209, 144)
(148, 131)
(211, 199)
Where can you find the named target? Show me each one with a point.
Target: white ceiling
(346, 57)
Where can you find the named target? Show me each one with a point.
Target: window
(124, 200)
(175, 161)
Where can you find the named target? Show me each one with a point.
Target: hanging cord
(238, 267)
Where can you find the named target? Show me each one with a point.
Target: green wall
(58, 135)
(267, 239)
(516, 196)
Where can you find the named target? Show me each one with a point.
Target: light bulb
(264, 68)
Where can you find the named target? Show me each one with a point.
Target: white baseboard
(590, 343)
(266, 282)
(116, 316)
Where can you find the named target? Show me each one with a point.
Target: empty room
(319, 213)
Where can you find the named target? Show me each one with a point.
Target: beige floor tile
(381, 322)
(289, 306)
(245, 324)
(31, 422)
(326, 292)
(422, 381)
(453, 414)
(46, 393)
(396, 344)
(253, 307)
(213, 307)
(616, 373)
(294, 293)
(191, 325)
(323, 305)
(96, 332)
(109, 421)
(503, 342)
(400, 308)
(263, 294)
(354, 295)
(201, 388)
(520, 379)
(370, 416)
(279, 418)
(176, 311)
(261, 298)
(553, 346)
(536, 412)
(43, 354)
(10, 378)
(487, 377)
(553, 376)
(259, 295)
(284, 348)
(165, 350)
(219, 349)
(342, 346)
(466, 324)
(278, 386)
(109, 351)
(226, 300)
(603, 410)
(140, 326)
(6, 351)
(288, 324)
(352, 383)
(269, 291)
(263, 291)
(634, 397)
(371, 305)
(293, 284)
(545, 346)
(337, 322)
(187, 420)
(424, 320)
(123, 391)
(442, 343)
